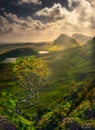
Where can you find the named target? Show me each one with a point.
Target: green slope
(77, 61)
(76, 110)
(73, 112)
(64, 99)
(67, 67)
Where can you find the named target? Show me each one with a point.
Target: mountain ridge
(81, 38)
(64, 42)
(62, 39)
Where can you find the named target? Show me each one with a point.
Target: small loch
(43, 52)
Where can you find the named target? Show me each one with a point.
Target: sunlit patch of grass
(55, 48)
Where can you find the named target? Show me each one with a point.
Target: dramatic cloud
(73, 3)
(23, 23)
(92, 2)
(47, 23)
(53, 13)
(4, 25)
(21, 2)
(24, 28)
(80, 17)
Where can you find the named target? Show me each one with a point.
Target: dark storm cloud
(28, 7)
(2, 9)
(23, 10)
(49, 3)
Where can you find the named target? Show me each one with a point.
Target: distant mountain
(64, 42)
(82, 39)
(91, 41)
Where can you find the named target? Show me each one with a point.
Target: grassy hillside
(77, 61)
(60, 107)
(68, 67)
(74, 112)
(67, 98)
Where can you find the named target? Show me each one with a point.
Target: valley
(66, 98)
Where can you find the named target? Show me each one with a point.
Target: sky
(44, 20)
